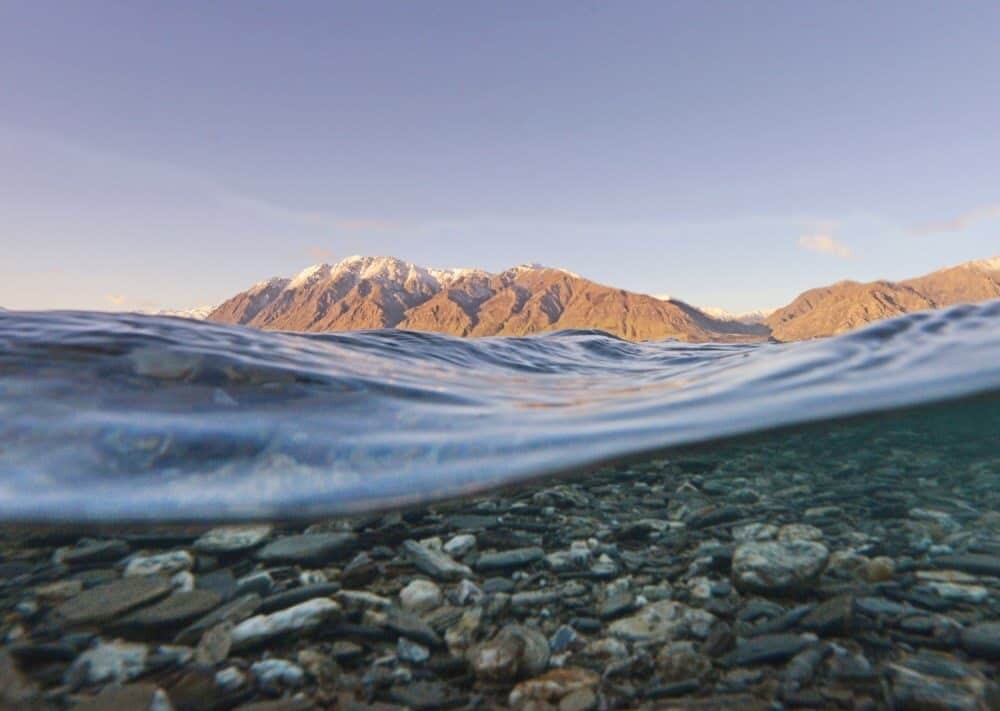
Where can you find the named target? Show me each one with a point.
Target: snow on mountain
(990, 264)
(199, 313)
(755, 316)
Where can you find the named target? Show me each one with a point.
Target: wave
(146, 417)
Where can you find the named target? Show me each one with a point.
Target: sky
(170, 154)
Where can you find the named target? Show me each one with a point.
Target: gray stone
(509, 560)
(835, 616)
(982, 640)
(110, 600)
(226, 540)
(296, 595)
(110, 663)
(420, 596)
(308, 548)
(220, 582)
(278, 671)
(300, 618)
(229, 679)
(234, 612)
(409, 651)
(159, 564)
(664, 621)
(975, 563)
(935, 681)
(766, 649)
(93, 552)
(176, 610)
(215, 645)
(436, 564)
(407, 625)
(459, 545)
(259, 582)
(515, 652)
(775, 567)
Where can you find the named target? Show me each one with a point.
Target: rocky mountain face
(847, 305)
(383, 292)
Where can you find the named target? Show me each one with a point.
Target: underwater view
(205, 517)
(546, 356)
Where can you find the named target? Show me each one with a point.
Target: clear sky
(169, 154)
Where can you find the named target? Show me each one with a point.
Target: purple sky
(168, 154)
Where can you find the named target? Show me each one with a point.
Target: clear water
(157, 418)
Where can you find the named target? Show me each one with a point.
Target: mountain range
(385, 292)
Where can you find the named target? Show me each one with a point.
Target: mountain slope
(847, 305)
(383, 292)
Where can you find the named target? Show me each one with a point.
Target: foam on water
(153, 417)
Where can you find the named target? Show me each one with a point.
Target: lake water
(105, 415)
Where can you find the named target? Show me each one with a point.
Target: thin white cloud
(824, 243)
(165, 178)
(116, 300)
(961, 222)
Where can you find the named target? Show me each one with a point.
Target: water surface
(105, 415)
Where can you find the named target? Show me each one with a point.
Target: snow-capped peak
(536, 266)
(755, 316)
(309, 275)
(990, 264)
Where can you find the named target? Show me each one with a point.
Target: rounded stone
(774, 567)
(880, 569)
(420, 596)
(515, 652)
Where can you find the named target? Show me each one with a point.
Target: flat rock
(308, 548)
(93, 552)
(235, 611)
(220, 582)
(982, 640)
(835, 616)
(176, 610)
(110, 600)
(159, 564)
(109, 663)
(776, 567)
(936, 681)
(428, 696)
(296, 595)
(436, 564)
(664, 621)
(975, 563)
(141, 695)
(766, 649)
(509, 560)
(298, 618)
(226, 540)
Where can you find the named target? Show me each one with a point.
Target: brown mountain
(383, 292)
(846, 305)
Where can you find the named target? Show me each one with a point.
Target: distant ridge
(846, 305)
(384, 292)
